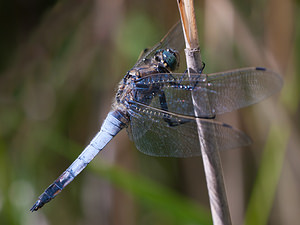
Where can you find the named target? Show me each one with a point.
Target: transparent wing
(213, 93)
(173, 39)
(153, 135)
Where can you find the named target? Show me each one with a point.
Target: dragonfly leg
(200, 72)
(202, 68)
(167, 118)
(187, 87)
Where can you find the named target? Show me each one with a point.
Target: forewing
(235, 89)
(153, 135)
(176, 89)
(213, 94)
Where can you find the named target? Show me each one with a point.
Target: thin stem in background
(210, 155)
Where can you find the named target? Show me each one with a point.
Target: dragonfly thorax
(163, 61)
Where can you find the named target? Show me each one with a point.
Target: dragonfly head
(168, 57)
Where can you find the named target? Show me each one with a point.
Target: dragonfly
(156, 106)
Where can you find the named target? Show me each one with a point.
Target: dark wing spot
(226, 125)
(260, 68)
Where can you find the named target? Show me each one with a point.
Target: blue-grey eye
(170, 57)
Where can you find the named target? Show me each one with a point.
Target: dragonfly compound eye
(171, 58)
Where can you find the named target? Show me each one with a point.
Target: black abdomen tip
(39, 204)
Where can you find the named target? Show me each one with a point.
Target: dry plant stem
(211, 158)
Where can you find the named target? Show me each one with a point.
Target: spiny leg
(167, 118)
(188, 87)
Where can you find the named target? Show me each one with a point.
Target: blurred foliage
(168, 203)
(266, 182)
(60, 62)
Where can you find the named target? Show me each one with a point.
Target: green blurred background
(60, 62)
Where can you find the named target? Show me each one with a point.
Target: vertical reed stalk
(210, 155)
